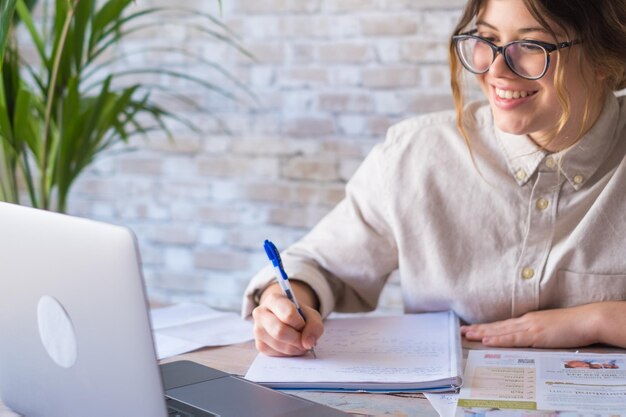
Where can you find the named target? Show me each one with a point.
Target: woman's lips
(509, 99)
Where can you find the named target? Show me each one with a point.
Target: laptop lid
(76, 337)
(66, 348)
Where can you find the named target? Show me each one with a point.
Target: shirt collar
(577, 163)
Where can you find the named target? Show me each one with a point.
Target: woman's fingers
(280, 330)
(313, 329)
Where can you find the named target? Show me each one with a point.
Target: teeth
(509, 94)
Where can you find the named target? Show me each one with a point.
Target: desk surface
(237, 358)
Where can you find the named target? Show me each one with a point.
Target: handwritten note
(398, 351)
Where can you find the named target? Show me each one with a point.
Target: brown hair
(600, 24)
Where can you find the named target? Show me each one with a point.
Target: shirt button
(578, 179)
(542, 204)
(520, 174)
(528, 273)
(550, 163)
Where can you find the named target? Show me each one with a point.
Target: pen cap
(274, 257)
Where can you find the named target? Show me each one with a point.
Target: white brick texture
(327, 79)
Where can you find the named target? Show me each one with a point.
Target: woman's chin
(512, 127)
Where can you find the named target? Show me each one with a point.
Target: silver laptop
(75, 338)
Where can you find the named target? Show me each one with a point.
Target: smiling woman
(525, 233)
(590, 67)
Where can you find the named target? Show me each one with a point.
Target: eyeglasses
(526, 58)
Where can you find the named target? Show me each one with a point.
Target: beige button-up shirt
(520, 230)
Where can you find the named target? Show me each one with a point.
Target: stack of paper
(185, 327)
(413, 352)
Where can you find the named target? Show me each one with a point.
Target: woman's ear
(600, 74)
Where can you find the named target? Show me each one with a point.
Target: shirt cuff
(300, 272)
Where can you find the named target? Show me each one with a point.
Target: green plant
(58, 114)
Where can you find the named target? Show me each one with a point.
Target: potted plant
(58, 114)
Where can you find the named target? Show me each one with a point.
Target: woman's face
(536, 110)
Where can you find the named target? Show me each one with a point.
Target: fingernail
(310, 341)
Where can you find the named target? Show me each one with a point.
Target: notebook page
(395, 349)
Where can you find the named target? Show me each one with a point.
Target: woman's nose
(500, 69)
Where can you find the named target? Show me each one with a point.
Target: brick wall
(329, 77)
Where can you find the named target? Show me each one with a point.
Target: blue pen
(282, 278)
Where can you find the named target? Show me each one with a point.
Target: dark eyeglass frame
(547, 47)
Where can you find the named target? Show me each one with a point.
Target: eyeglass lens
(527, 60)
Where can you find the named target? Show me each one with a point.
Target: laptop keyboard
(178, 409)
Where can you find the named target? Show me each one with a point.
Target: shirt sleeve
(347, 257)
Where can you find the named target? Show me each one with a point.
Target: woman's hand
(279, 330)
(561, 328)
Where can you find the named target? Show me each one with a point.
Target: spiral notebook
(403, 353)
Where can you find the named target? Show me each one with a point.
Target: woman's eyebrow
(521, 30)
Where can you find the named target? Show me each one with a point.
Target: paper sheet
(402, 351)
(444, 404)
(538, 384)
(185, 327)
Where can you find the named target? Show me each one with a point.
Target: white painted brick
(388, 51)
(262, 76)
(300, 100)
(438, 24)
(178, 259)
(175, 234)
(278, 6)
(296, 216)
(303, 77)
(220, 259)
(389, 102)
(211, 236)
(224, 191)
(352, 125)
(191, 190)
(345, 76)
(390, 77)
(237, 167)
(388, 25)
(310, 168)
(252, 238)
(183, 210)
(302, 53)
(141, 210)
(345, 52)
(421, 51)
(103, 210)
(435, 77)
(330, 77)
(274, 146)
(179, 167)
(343, 27)
(348, 167)
(347, 148)
(216, 144)
(343, 6)
(309, 126)
(345, 102)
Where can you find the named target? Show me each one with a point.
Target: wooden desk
(237, 358)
